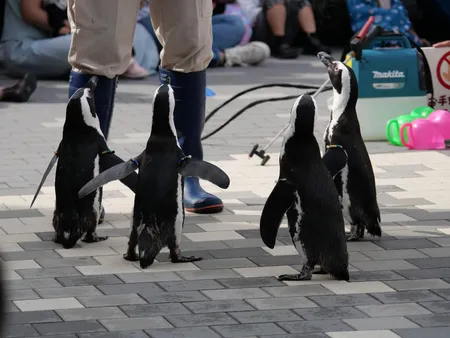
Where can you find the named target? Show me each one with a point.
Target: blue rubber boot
(104, 96)
(189, 117)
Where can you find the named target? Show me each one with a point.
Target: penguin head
(81, 114)
(342, 77)
(303, 115)
(162, 123)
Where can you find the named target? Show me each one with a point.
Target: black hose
(255, 103)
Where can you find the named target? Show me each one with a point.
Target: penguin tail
(341, 274)
(150, 244)
(373, 228)
(67, 228)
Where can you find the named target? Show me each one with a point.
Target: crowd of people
(35, 34)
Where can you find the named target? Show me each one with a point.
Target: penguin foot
(356, 233)
(301, 276)
(319, 271)
(56, 239)
(131, 256)
(184, 259)
(146, 262)
(93, 238)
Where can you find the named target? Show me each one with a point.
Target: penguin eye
(336, 67)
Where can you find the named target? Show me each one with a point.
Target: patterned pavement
(400, 284)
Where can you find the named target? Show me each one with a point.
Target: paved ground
(400, 285)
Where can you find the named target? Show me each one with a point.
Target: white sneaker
(252, 53)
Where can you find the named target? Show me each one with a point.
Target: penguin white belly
(179, 219)
(296, 239)
(345, 199)
(96, 206)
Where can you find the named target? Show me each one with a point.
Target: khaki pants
(102, 34)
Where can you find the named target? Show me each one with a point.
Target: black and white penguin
(158, 212)
(305, 192)
(80, 155)
(355, 180)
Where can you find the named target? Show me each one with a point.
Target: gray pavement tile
(89, 280)
(90, 313)
(21, 294)
(239, 253)
(163, 276)
(243, 330)
(122, 334)
(186, 332)
(149, 310)
(276, 260)
(245, 293)
(323, 313)
(227, 305)
(298, 290)
(315, 326)
(247, 317)
(71, 291)
(111, 300)
(48, 272)
(441, 319)
(297, 335)
(437, 307)
(406, 244)
(120, 289)
(406, 297)
(208, 274)
(429, 263)
(364, 276)
(38, 246)
(24, 330)
(61, 262)
(392, 310)
(256, 282)
(31, 284)
(19, 213)
(203, 319)
(385, 323)
(225, 263)
(129, 324)
(193, 285)
(425, 273)
(345, 300)
(445, 293)
(281, 303)
(32, 317)
(25, 255)
(431, 332)
(424, 284)
(174, 297)
(69, 327)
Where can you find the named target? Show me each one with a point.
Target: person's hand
(64, 29)
(442, 44)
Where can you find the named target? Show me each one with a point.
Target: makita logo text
(394, 74)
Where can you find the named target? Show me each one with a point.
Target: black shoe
(314, 46)
(21, 91)
(285, 51)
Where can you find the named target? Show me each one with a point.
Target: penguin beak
(326, 59)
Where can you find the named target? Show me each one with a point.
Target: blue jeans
(228, 31)
(47, 58)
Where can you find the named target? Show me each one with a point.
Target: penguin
(305, 192)
(158, 212)
(355, 181)
(79, 157)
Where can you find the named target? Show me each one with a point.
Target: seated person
(29, 45)
(278, 14)
(391, 15)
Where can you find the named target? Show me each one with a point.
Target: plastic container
(422, 135)
(441, 119)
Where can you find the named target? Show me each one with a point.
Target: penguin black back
(305, 192)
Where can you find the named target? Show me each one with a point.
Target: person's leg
(184, 29)
(275, 13)
(102, 39)
(44, 58)
(308, 25)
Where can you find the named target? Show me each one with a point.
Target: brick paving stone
(246, 317)
(90, 313)
(442, 319)
(202, 319)
(437, 307)
(186, 332)
(123, 334)
(69, 327)
(243, 330)
(219, 306)
(406, 297)
(312, 326)
(129, 324)
(32, 317)
(89, 280)
(435, 332)
(149, 310)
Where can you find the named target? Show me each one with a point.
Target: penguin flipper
(335, 160)
(44, 177)
(278, 203)
(117, 172)
(190, 167)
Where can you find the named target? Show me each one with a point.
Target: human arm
(442, 44)
(34, 15)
